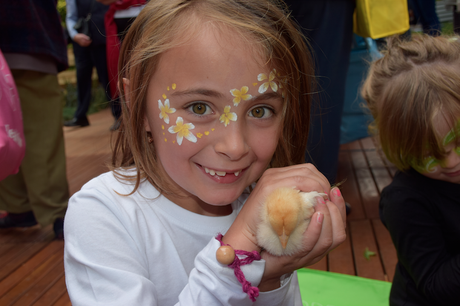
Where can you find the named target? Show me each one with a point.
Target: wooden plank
(64, 300)
(16, 292)
(52, 295)
(380, 172)
(349, 188)
(28, 266)
(367, 188)
(386, 249)
(44, 281)
(362, 238)
(340, 259)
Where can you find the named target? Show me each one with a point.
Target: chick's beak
(284, 239)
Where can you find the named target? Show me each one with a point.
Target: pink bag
(12, 142)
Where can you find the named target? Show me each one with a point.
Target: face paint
(450, 137)
(165, 110)
(240, 95)
(227, 116)
(183, 130)
(447, 169)
(429, 165)
(262, 76)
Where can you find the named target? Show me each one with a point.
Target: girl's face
(447, 169)
(214, 113)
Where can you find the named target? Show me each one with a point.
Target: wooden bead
(225, 254)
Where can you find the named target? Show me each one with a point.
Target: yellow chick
(285, 216)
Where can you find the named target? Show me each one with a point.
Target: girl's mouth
(220, 173)
(453, 174)
(222, 177)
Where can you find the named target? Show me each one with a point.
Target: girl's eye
(200, 109)
(261, 112)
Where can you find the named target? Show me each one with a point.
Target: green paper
(321, 288)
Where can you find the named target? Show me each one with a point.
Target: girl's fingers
(337, 198)
(303, 177)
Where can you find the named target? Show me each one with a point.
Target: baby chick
(285, 216)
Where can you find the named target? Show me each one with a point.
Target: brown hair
(406, 89)
(164, 24)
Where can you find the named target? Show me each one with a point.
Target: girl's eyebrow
(216, 94)
(198, 91)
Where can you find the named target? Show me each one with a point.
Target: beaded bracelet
(226, 256)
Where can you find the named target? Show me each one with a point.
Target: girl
(216, 92)
(414, 95)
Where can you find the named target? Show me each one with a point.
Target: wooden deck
(32, 271)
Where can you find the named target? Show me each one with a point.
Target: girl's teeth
(219, 173)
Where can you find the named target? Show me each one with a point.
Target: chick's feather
(285, 216)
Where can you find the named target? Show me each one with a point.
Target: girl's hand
(325, 232)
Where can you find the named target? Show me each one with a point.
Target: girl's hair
(414, 82)
(164, 24)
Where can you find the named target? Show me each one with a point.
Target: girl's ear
(146, 124)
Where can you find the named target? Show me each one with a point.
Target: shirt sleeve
(220, 286)
(71, 17)
(417, 234)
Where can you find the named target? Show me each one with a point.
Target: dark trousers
(85, 59)
(425, 12)
(328, 26)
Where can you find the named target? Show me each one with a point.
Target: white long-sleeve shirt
(142, 249)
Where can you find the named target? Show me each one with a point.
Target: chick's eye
(261, 112)
(200, 109)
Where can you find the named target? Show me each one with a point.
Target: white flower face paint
(182, 130)
(240, 95)
(270, 83)
(165, 110)
(227, 116)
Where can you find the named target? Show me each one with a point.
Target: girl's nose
(233, 143)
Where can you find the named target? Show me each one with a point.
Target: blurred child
(215, 93)
(414, 95)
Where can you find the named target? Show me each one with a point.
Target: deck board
(32, 271)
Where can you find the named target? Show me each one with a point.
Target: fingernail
(319, 218)
(336, 191)
(320, 200)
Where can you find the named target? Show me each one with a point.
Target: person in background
(118, 19)
(328, 27)
(413, 93)
(32, 41)
(425, 12)
(89, 51)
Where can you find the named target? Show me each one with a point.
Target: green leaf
(368, 254)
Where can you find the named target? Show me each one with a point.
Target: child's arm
(325, 232)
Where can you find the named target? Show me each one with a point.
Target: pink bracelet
(226, 255)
